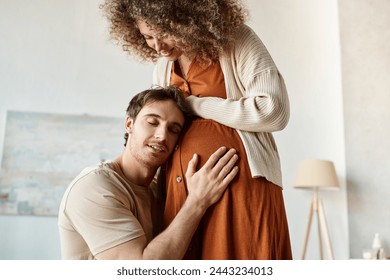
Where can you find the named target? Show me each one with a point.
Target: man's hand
(206, 186)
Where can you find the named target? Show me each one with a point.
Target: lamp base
(317, 208)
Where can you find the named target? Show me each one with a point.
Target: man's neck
(135, 172)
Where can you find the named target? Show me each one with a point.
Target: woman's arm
(257, 96)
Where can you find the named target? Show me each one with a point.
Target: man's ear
(129, 123)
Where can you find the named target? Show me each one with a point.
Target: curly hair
(203, 29)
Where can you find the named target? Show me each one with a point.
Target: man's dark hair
(157, 94)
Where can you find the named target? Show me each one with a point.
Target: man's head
(154, 95)
(154, 122)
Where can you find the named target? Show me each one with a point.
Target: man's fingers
(224, 181)
(230, 176)
(226, 162)
(191, 169)
(213, 159)
(219, 164)
(209, 182)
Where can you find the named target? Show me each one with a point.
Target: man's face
(154, 133)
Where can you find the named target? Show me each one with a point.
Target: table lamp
(315, 174)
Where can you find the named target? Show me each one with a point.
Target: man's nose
(161, 133)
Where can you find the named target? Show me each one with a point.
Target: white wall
(55, 57)
(365, 37)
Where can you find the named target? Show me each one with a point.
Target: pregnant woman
(239, 97)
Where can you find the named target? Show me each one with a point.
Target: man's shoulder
(95, 177)
(94, 183)
(101, 171)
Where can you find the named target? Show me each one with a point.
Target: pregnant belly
(204, 137)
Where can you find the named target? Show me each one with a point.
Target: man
(107, 211)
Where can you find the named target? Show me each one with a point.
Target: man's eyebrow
(152, 115)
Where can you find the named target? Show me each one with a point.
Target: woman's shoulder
(247, 41)
(245, 32)
(245, 28)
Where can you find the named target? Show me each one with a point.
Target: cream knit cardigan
(257, 102)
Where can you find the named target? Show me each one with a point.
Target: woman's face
(165, 46)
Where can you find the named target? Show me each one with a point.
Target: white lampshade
(316, 173)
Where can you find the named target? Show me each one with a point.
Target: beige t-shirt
(100, 210)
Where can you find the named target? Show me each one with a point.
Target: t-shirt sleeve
(102, 212)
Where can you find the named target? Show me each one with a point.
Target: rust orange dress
(249, 222)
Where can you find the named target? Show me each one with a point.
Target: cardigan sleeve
(257, 97)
